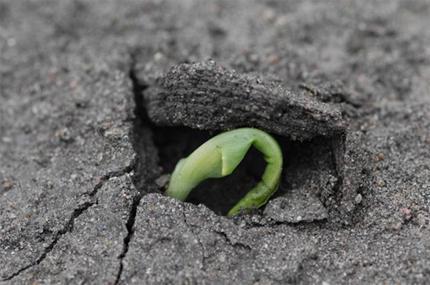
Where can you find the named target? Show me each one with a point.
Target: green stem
(219, 157)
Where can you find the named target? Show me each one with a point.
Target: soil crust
(100, 99)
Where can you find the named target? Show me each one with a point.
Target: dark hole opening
(307, 166)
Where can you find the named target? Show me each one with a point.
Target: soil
(100, 99)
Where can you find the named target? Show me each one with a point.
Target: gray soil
(100, 99)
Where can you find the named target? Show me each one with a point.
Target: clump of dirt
(310, 132)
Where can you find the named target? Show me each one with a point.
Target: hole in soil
(306, 165)
(309, 167)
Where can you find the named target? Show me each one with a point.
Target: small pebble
(407, 213)
(73, 177)
(7, 184)
(380, 182)
(379, 157)
(158, 56)
(421, 220)
(358, 199)
(396, 226)
(273, 59)
(163, 181)
(64, 135)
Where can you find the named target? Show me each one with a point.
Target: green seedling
(219, 157)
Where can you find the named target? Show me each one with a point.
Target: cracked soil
(99, 100)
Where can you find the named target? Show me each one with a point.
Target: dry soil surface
(99, 99)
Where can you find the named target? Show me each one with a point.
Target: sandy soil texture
(100, 98)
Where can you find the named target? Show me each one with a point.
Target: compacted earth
(100, 99)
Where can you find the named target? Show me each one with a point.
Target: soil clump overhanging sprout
(219, 157)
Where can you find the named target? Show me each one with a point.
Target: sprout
(219, 157)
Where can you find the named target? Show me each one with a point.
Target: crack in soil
(140, 120)
(127, 239)
(190, 228)
(137, 89)
(172, 143)
(70, 223)
(233, 244)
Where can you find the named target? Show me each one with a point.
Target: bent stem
(219, 157)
